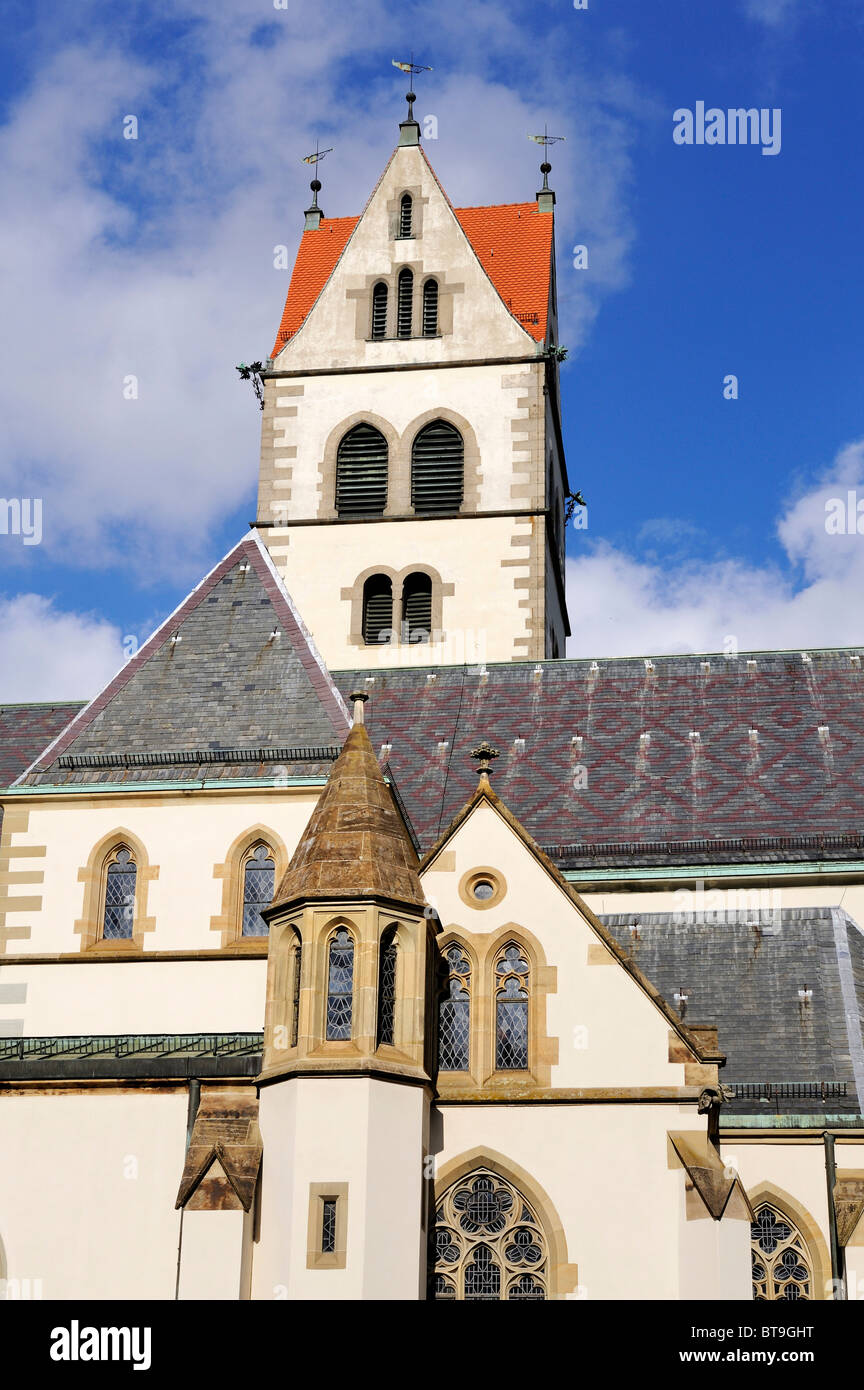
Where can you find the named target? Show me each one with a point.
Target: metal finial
(411, 68)
(546, 140)
(358, 698)
(483, 755)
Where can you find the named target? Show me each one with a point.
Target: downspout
(191, 1112)
(838, 1260)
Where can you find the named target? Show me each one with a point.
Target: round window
(483, 890)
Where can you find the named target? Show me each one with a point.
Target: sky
(137, 272)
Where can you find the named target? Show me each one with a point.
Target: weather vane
(546, 140)
(318, 155)
(315, 185)
(411, 68)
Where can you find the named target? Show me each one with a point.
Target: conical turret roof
(356, 844)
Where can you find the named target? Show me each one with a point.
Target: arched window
(296, 970)
(118, 916)
(406, 211)
(340, 986)
(781, 1262)
(259, 873)
(405, 304)
(379, 310)
(361, 472)
(437, 468)
(417, 608)
(511, 1010)
(454, 1013)
(489, 1243)
(430, 309)
(387, 987)
(377, 610)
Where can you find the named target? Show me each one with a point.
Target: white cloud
(52, 655)
(621, 606)
(771, 12)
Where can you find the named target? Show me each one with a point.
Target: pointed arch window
(437, 468)
(377, 610)
(387, 988)
(512, 974)
(782, 1268)
(417, 608)
(259, 875)
(489, 1243)
(430, 309)
(379, 310)
(406, 215)
(118, 914)
(405, 304)
(296, 972)
(340, 986)
(454, 1013)
(361, 472)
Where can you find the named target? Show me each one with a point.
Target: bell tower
(345, 1087)
(413, 485)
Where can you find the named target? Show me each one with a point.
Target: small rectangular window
(328, 1226)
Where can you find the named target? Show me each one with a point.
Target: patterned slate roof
(676, 759)
(230, 682)
(25, 730)
(785, 989)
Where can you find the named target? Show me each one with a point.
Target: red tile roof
(512, 241)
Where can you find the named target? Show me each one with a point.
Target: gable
(231, 679)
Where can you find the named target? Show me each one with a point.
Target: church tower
(413, 483)
(345, 1087)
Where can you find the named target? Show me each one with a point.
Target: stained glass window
(328, 1226)
(387, 987)
(489, 1244)
(119, 917)
(779, 1256)
(454, 1013)
(511, 1010)
(340, 986)
(297, 961)
(258, 885)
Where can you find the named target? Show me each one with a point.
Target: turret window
(297, 967)
(379, 310)
(387, 988)
(377, 610)
(417, 608)
(361, 472)
(340, 986)
(120, 882)
(259, 875)
(430, 309)
(405, 305)
(438, 468)
(406, 215)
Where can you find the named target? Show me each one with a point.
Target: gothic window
(417, 608)
(437, 468)
(259, 873)
(379, 310)
(511, 1010)
(406, 211)
(340, 986)
(780, 1259)
(454, 1013)
(430, 309)
(296, 968)
(489, 1244)
(387, 987)
(119, 912)
(405, 304)
(361, 472)
(328, 1226)
(377, 610)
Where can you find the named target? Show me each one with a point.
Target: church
(431, 964)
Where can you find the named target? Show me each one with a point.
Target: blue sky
(154, 258)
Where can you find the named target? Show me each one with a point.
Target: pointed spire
(356, 844)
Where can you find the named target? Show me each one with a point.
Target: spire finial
(409, 130)
(545, 197)
(313, 212)
(358, 698)
(483, 755)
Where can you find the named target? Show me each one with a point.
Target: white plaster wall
(73, 1213)
(211, 1254)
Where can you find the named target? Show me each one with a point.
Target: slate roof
(25, 730)
(212, 693)
(744, 973)
(700, 788)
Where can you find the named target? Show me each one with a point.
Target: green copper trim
(703, 872)
(190, 785)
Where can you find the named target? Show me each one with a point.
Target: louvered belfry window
(417, 608)
(377, 610)
(405, 307)
(379, 310)
(361, 472)
(406, 209)
(430, 309)
(437, 468)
